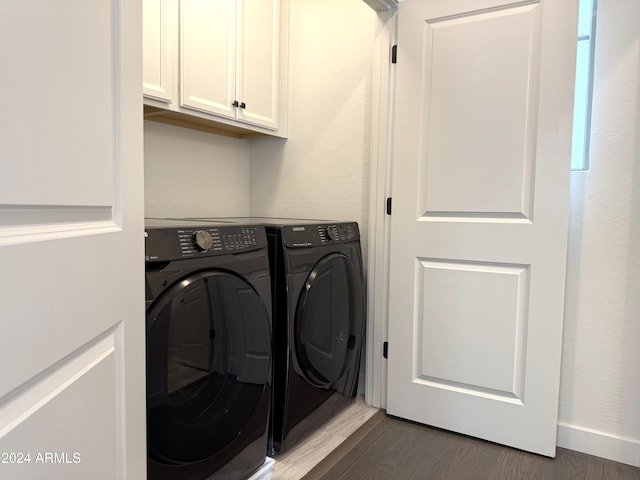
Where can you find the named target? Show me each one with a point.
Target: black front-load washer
(208, 325)
(318, 315)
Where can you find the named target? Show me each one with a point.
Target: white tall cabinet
(221, 61)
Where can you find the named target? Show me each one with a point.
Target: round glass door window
(208, 358)
(326, 324)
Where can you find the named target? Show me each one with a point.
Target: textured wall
(600, 387)
(194, 173)
(322, 170)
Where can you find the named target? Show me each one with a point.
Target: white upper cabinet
(216, 60)
(257, 61)
(208, 56)
(160, 47)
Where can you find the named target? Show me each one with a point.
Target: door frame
(379, 232)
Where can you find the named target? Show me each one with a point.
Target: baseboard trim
(600, 444)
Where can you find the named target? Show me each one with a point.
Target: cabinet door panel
(160, 40)
(258, 60)
(207, 45)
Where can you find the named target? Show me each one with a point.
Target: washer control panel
(301, 236)
(164, 244)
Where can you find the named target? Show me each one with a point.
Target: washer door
(208, 363)
(328, 320)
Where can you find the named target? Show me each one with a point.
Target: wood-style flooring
(346, 439)
(387, 448)
(315, 437)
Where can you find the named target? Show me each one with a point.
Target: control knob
(332, 233)
(203, 240)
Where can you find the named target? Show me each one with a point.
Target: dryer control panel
(305, 236)
(168, 243)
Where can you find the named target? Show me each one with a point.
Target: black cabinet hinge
(389, 206)
(394, 54)
(385, 349)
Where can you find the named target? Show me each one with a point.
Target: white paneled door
(72, 389)
(484, 94)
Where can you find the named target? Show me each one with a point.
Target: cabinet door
(207, 56)
(160, 46)
(258, 61)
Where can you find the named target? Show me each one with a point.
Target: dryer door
(329, 321)
(208, 365)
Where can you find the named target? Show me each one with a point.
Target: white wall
(600, 386)
(322, 170)
(189, 173)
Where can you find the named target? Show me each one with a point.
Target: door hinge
(394, 54)
(389, 206)
(385, 349)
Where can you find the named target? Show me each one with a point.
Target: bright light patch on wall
(584, 85)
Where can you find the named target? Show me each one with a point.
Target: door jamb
(379, 221)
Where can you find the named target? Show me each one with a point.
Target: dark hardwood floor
(387, 448)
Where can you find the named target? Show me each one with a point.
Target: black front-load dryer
(318, 315)
(208, 325)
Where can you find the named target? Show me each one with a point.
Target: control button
(203, 240)
(331, 233)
